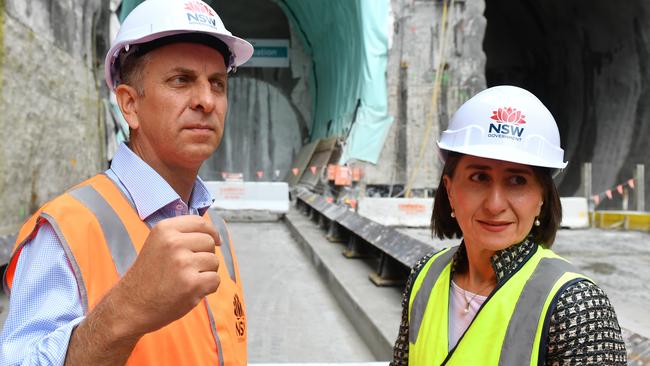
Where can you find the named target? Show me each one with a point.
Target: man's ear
(127, 98)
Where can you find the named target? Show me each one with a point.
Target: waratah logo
(509, 121)
(198, 7)
(199, 13)
(508, 115)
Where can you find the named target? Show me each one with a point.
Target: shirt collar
(149, 191)
(504, 262)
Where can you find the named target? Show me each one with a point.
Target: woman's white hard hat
(154, 19)
(505, 123)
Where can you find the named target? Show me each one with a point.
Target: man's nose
(203, 98)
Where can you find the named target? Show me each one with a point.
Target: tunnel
(332, 83)
(269, 114)
(588, 63)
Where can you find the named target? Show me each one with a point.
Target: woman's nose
(496, 199)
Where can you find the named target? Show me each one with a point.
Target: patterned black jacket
(583, 329)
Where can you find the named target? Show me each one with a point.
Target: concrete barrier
(575, 212)
(410, 212)
(626, 220)
(416, 212)
(258, 196)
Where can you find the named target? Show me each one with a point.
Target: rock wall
(588, 62)
(417, 52)
(51, 133)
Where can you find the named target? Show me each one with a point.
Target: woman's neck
(479, 277)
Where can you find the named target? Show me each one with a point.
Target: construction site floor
(292, 315)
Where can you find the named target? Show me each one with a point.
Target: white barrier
(258, 196)
(416, 212)
(575, 212)
(411, 212)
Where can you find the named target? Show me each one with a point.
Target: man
(122, 269)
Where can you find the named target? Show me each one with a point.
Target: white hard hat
(155, 19)
(505, 123)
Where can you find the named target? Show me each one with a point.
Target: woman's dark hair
(445, 226)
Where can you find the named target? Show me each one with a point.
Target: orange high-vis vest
(102, 233)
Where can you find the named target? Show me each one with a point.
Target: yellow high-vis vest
(102, 235)
(508, 328)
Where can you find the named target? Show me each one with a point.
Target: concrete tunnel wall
(51, 132)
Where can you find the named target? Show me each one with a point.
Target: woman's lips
(494, 226)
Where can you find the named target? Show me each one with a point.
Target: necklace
(468, 302)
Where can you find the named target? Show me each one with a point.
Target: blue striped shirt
(45, 306)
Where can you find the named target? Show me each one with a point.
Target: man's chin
(198, 153)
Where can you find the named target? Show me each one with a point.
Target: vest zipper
(503, 282)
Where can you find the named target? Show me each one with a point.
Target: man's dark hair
(445, 226)
(132, 63)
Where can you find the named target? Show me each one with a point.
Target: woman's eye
(517, 180)
(479, 177)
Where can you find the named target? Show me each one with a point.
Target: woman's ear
(127, 98)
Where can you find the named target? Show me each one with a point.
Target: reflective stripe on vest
(101, 234)
(213, 327)
(512, 317)
(519, 343)
(118, 239)
(440, 261)
(225, 243)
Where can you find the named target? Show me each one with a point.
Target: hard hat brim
(240, 49)
(501, 152)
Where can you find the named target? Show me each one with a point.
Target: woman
(502, 297)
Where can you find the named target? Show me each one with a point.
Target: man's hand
(176, 268)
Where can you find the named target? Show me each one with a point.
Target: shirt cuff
(53, 347)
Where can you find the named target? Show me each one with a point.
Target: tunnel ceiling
(587, 61)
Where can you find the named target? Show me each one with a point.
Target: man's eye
(180, 79)
(219, 85)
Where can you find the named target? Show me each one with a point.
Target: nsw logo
(240, 319)
(199, 13)
(508, 124)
